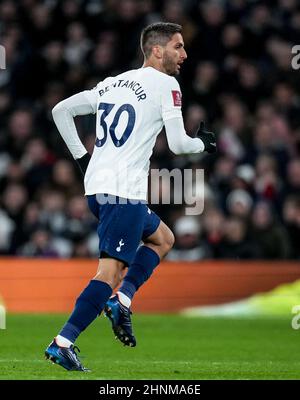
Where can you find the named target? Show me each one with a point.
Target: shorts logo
(121, 243)
(176, 98)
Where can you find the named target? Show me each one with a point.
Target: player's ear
(157, 51)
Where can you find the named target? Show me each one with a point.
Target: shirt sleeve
(171, 99)
(92, 97)
(178, 141)
(82, 103)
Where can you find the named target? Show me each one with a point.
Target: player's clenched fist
(208, 138)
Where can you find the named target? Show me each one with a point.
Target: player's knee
(162, 241)
(111, 279)
(110, 271)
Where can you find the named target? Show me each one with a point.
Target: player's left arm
(178, 141)
(82, 103)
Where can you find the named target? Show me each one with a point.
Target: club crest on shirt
(121, 243)
(176, 98)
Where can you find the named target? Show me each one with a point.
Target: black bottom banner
(93, 390)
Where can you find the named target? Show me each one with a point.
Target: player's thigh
(120, 230)
(156, 232)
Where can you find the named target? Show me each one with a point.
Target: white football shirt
(131, 110)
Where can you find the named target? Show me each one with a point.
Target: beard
(169, 65)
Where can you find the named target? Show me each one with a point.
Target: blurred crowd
(238, 78)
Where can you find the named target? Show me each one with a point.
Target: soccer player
(131, 109)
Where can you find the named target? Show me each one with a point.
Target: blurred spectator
(79, 220)
(250, 85)
(37, 163)
(14, 200)
(239, 204)
(39, 24)
(20, 130)
(81, 250)
(222, 177)
(236, 243)
(213, 227)
(39, 245)
(233, 134)
(258, 28)
(31, 220)
(244, 178)
(103, 58)
(265, 111)
(173, 11)
(13, 173)
(271, 237)
(55, 66)
(78, 44)
(204, 87)
(64, 178)
(233, 49)
(291, 219)
(188, 247)
(52, 214)
(286, 100)
(7, 227)
(5, 105)
(194, 115)
(293, 177)
(212, 17)
(267, 183)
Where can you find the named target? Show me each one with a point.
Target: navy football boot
(119, 316)
(66, 357)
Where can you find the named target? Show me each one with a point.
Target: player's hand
(208, 138)
(83, 163)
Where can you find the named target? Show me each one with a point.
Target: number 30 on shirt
(107, 109)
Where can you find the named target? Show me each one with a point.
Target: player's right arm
(178, 141)
(82, 103)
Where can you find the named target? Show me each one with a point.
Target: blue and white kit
(131, 110)
(122, 225)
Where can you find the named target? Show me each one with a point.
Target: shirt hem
(131, 196)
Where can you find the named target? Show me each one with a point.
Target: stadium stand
(238, 77)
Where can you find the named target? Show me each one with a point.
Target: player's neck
(151, 63)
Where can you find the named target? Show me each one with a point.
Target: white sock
(62, 341)
(125, 300)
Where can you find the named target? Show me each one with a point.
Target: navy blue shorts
(122, 225)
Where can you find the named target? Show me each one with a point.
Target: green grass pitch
(169, 347)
